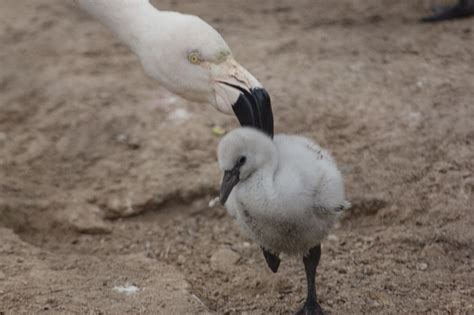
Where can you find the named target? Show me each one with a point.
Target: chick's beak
(240, 93)
(230, 179)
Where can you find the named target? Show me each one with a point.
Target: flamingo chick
(286, 194)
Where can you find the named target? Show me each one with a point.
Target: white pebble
(179, 115)
(214, 202)
(127, 289)
(422, 266)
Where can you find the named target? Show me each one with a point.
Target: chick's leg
(311, 261)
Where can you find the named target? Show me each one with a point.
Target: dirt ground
(105, 177)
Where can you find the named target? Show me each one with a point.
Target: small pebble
(181, 260)
(214, 202)
(128, 289)
(422, 266)
(342, 270)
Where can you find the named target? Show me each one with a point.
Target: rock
(125, 138)
(422, 266)
(214, 202)
(2, 275)
(368, 271)
(181, 260)
(342, 270)
(224, 258)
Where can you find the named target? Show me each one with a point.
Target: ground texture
(105, 177)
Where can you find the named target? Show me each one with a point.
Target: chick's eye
(242, 160)
(194, 58)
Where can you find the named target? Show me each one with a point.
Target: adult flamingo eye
(194, 58)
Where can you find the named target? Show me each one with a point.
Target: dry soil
(105, 177)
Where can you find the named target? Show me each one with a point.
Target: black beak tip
(222, 200)
(254, 109)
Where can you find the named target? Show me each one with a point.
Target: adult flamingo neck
(129, 20)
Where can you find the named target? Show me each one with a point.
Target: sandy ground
(105, 177)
